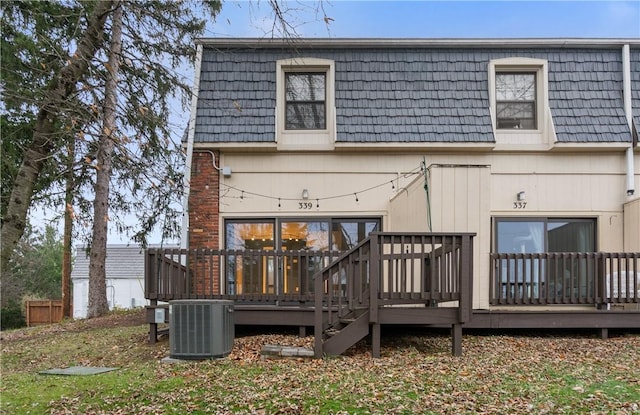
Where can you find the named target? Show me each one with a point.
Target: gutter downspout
(186, 180)
(626, 91)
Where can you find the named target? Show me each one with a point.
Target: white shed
(125, 278)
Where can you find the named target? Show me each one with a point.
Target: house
(124, 269)
(497, 178)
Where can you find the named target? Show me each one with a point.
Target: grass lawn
(497, 374)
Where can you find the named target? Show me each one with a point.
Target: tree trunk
(68, 230)
(61, 87)
(98, 305)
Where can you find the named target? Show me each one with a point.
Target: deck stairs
(392, 279)
(346, 332)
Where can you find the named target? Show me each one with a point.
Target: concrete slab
(78, 371)
(173, 360)
(270, 351)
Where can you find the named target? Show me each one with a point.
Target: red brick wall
(204, 218)
(204, 213)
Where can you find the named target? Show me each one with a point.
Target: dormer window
(516, 100)
(305, 101)
(519, 103)
(305, 105)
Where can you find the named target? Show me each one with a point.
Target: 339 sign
(305, 205)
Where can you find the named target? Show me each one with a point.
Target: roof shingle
(414, 94)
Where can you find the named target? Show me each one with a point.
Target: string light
(416, 171)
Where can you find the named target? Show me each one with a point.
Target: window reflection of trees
(305, 100)
(515, 100)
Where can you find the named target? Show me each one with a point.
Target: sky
(434, 19)
(416, 19)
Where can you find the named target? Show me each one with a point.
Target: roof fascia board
(590, 146)
(348, 146)
(342, 43)
(431, 146)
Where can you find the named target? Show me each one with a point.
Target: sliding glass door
(301, 247)
(524, 274)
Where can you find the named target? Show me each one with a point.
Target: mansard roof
(415, 90)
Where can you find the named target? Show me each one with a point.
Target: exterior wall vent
(200, 329)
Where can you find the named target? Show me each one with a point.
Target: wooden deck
(399, 279)
(343, 296)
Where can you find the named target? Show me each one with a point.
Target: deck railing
(241, 275)
(410, 268)
(565, 278)
(397, 268)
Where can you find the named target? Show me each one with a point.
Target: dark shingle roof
(585, 95)
(412, 94)
(635, 86)
(237, 97)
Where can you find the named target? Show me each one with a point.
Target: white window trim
(544, 134)
(306, 139)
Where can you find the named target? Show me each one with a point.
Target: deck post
(456, 339)
(601, 278)
(150, 286)
(153, 327)
(375, 340)
(153, 333)
(151, 271)
(317, 328)
(374, 276)
(466, 276)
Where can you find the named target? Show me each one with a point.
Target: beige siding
(632, 226)
(460, 201)
(464, 195)
(408, 208)
(332, 182)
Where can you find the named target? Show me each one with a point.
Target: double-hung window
(305, 97)
(516, 100)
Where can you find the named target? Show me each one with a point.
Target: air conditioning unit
(200, 329)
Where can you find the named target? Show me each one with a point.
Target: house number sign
(519, 205)
(305, 205)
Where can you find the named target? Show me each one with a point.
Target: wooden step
(331, 332)
(347, 336)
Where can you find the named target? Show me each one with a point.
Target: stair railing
(391, 269)
(342, 288)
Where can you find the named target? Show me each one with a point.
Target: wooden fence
(43, 312)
